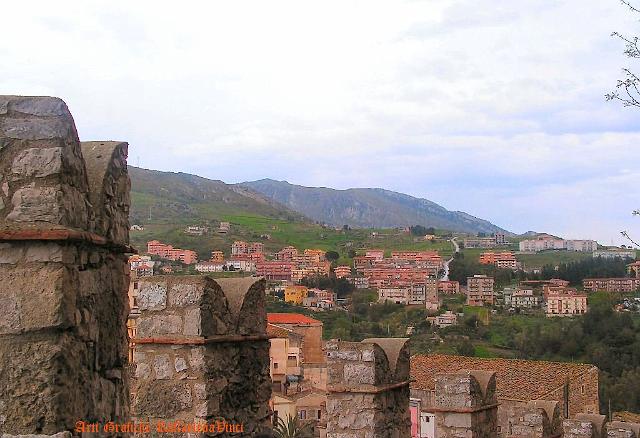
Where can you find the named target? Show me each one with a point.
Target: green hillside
(166, 203)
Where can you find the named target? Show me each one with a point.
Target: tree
(293, 428)
(466, 348)
(331, 256)
(418, 230)
(627, 89)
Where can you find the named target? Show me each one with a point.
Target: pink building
(342, 271)
(566, 304)
(160, 249)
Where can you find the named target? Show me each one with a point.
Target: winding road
(456, 247)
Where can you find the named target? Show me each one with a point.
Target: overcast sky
(492, 107)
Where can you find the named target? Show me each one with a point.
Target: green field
(540, 259)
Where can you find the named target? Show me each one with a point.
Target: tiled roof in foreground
(516, 379)
(290, 318)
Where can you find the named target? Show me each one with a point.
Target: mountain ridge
(368, 207)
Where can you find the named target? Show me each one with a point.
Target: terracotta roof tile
(278, 332)
(516, 379)
(290, 318)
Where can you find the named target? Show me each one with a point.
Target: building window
(275, 365)
(302, 414)
(582, 389)
(319, 414)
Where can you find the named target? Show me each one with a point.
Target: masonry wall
(202, 354)
(582, 395)
(63, 278)
(368, 389)
(466, 404)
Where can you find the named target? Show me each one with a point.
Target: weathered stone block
(36, 162)
(29, 128)
(35, 298)
(192, 322)
(162, 367)
(182, 295)
(158, 325)
(35, 106)
(152, 296)
(359, 373)
(162, 399)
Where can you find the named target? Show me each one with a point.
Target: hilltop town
(312, 293)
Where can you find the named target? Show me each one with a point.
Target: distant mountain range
(178, 197)
(367, 207)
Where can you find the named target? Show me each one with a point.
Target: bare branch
(626, 235)
(630, 6)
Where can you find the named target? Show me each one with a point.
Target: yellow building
(295, 294)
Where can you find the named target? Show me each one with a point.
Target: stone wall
(536, 419)
(63, 278)
(595, 426)
(368, 389)
(201, 353)
(466, 404)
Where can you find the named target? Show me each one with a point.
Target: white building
(447, 319)
(581, 245)
(209, 267)
(541, 244)
(525, 299)
(613, 253)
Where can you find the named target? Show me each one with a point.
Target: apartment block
(398, 295)
(541, 243)
(274, 270)
(615, 253)
(432, 300)
(217, 256)
(342, 271)
(209, 266)
(288, 253)
(448, 287)
(168, 252)
(480, 291)
(418, 294)
(566, 304)
(239, 247)
(376, 254)
(581, 245)
(525, 299)
(621, 285)
(480, 242)
(502, 260)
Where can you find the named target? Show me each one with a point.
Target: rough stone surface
(368, 389)
(63, 345)
(177, 380)
(467, 405)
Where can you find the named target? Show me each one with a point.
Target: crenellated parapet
(535, 419)
(202, 353)
(368, 388)
(63, 282)
(466, 404)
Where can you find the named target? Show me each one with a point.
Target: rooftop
(290, 318)
(516, 379)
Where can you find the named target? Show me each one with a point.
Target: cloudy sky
(492, 107)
